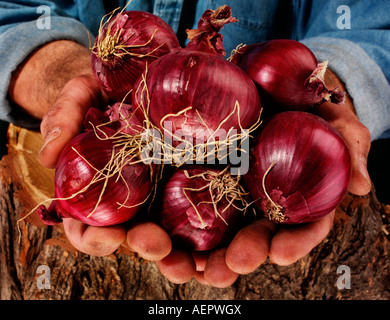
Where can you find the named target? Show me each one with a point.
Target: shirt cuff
(20, 41)
(363, 79)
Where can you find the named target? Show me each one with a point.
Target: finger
(358, 139)
(216, 272)
(96, 241)
(65, 118)
(292, 243)
(178, 267)
(200, 259)
(199, 276)
(250, 247)
(149, 240)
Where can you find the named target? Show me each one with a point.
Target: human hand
(55, 84)
(219, 268)
(248, 250)
(59, 125)
(62, 122)
(283, 245)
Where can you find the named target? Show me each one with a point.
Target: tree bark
(358, 245)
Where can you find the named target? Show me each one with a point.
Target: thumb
(64, 119)
(358, 139)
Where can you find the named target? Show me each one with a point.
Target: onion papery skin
(73, 173)
(207, 83)
(117, 74)
(310, 167)
(119, 117)
(176, 214)
(206, 37)
(281, 69)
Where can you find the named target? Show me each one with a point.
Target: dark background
(3, 138)
(379, 168)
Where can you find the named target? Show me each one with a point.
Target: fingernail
(53, 134)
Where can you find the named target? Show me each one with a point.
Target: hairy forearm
(37, 82)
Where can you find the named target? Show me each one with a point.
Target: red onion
(196, 88)
(286, 73)
(195, 207)
(91, 188)
(300, 168)
(125, 44)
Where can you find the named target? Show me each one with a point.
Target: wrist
(35, 85)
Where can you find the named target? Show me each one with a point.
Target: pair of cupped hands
(251, 247)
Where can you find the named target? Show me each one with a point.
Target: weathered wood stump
(358, 242)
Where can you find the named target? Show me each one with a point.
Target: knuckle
(85, 83)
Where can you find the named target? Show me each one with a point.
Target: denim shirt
(353, 35)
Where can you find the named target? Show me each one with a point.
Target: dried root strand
(235, 51)
(273, 210)
(221, 186)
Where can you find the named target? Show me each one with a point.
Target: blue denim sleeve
(21, 32)
(23, 29)
(17, 44)
(356, 41)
